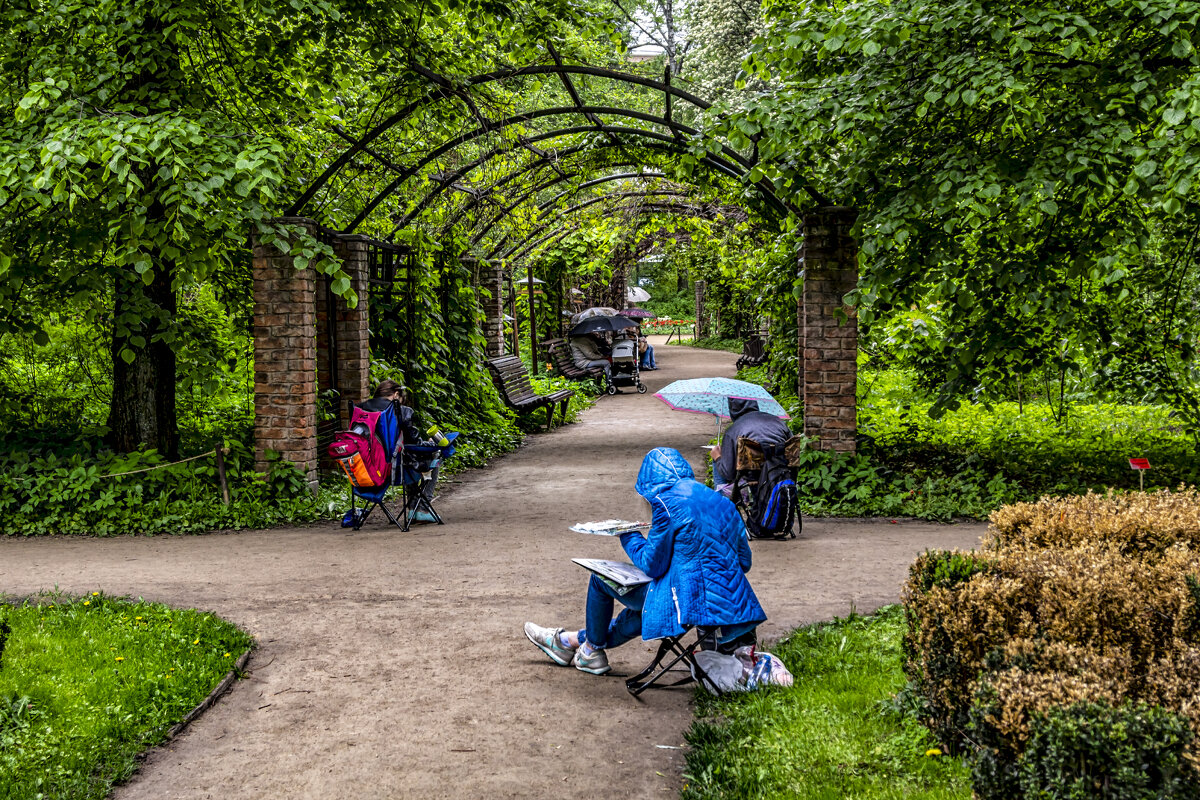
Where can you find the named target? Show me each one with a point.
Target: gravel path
(392, 665)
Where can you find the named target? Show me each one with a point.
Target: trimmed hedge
(1079, 613)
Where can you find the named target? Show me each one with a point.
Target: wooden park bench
(512, 382)
(560, 356)
(754, 351)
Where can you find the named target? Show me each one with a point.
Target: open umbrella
(636, 294)
(638, 313)
(594, 311)
(598, 324)
(712, 395)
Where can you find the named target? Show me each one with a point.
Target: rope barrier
(158, 466)
(218, 453)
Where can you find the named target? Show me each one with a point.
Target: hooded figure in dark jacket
(697, 555)
(760, 426)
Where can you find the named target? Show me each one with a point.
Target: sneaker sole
(601, 671)
(553, 656)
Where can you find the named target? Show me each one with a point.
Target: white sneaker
(548, 642)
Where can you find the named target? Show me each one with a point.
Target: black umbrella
(599, 324)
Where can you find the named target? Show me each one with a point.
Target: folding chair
(417, 464)
(673, 648)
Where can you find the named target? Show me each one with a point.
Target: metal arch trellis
(731, 155)
(446, 88)
(516, 253)
(487, 226)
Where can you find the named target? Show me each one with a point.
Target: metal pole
(533, 351)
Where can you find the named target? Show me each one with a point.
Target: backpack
(772, 511)
(360, 453)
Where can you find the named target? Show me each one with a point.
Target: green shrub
(82, 494)
(1092, 750)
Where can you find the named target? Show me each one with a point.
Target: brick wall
(829, 328)
(285, 361)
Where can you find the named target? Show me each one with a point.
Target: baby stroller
(625, 370)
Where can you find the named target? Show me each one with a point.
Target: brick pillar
(829, 328)
(491, 280)
(285, 376)
(353, 351)
(701, 310)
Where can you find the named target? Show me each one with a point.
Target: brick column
(829, 328)
(354, 355)
(491, 280)
(701, 310)
(285, 377)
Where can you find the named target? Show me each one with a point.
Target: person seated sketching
(586, 353)
(760, 426)
(697, 554)
(390, 393)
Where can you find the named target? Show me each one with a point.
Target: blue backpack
(772, 512)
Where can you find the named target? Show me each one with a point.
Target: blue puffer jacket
(696, 551)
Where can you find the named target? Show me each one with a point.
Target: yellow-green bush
(1083, 604)
(1145, 523)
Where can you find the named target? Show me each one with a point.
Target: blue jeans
(602, 629)
(648, 358)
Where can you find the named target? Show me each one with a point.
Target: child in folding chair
(697, 554)
(390, 393)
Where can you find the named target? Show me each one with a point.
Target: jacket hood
(661, 469)
(741, 405)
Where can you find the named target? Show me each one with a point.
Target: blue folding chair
(417, 464)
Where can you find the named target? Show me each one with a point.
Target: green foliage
(833, 734)
(1029, 169)
(72, 493)
(90, 683)
(977, 458)
(1089, 750)
(714, 343)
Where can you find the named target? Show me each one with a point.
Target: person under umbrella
(587, 353)
(760, 426)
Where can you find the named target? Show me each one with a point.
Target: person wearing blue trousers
(697, 555)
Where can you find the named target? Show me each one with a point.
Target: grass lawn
(88, 683)
(834, 734)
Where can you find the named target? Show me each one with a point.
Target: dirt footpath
(392, 665)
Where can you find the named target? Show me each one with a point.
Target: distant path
(392, 665)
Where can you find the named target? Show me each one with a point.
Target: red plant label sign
(1139, 463)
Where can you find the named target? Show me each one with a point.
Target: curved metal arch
(559, 179)
(527, 116)
(590, 202)
(656, 207)
(553, 237)
(446, 89)
(538, 164)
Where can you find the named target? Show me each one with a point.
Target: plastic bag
(745, 670)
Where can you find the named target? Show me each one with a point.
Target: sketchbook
(621, 576)
(609, 527)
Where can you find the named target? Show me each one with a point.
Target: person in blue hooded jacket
(697, 554)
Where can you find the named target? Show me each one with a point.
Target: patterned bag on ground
(746, 669)
(359, 452)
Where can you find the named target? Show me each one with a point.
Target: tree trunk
(142, 409)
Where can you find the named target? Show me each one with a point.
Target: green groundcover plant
(839, 731)
(979, 457)
(86, 684)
